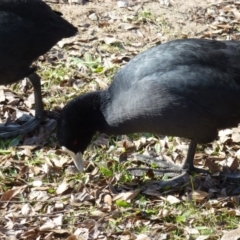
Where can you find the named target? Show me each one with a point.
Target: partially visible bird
(28, 29)
(187, 88)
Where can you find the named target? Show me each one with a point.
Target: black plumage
(28, 29)
(187, 88)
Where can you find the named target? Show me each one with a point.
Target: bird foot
(163, 168)
(13, 130)
(29, 125)
(160, 163)
(173, 183)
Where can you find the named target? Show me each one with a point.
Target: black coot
(187, 88)
(28, 29)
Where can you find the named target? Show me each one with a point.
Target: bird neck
(101, 115)
(90, 106)
(97, 109)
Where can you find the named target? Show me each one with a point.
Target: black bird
(28, 29)
(187, 88)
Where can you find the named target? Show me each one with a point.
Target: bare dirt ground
(42, 195)
(180, 19)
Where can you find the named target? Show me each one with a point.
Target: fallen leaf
(231, 235)
(198, 195)
(108, 199)
(172, 200)
(10, 194)
(62, 187)
(130, 195)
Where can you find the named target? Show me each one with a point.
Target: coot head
(77, 124)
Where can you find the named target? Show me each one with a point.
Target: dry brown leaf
(97, 213)
(212, 166)
(62, 187)
(108, 199)
(66, 41)
(49, 225)
(231, 235)
(172, 200)
(202, 237)
(236, 13)
(101, 83)
(74, 237)
(127, 195)
(28, 210)
(37, 183)
(128, 26)
(10, 194)
(164, 213)
(110, 40)
(191, 231)
(83, 233)
(143, 237)
(235, 164)
(198, 195)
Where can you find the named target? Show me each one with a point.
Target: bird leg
(36, 82)
(180, 175)
(164, 167)
(14, 130)
(188, 163)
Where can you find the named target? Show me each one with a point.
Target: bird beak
(77, 158)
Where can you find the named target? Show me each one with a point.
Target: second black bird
(187, 88)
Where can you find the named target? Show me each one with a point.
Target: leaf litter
(42, 196)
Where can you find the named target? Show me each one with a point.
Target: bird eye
(75, 142)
